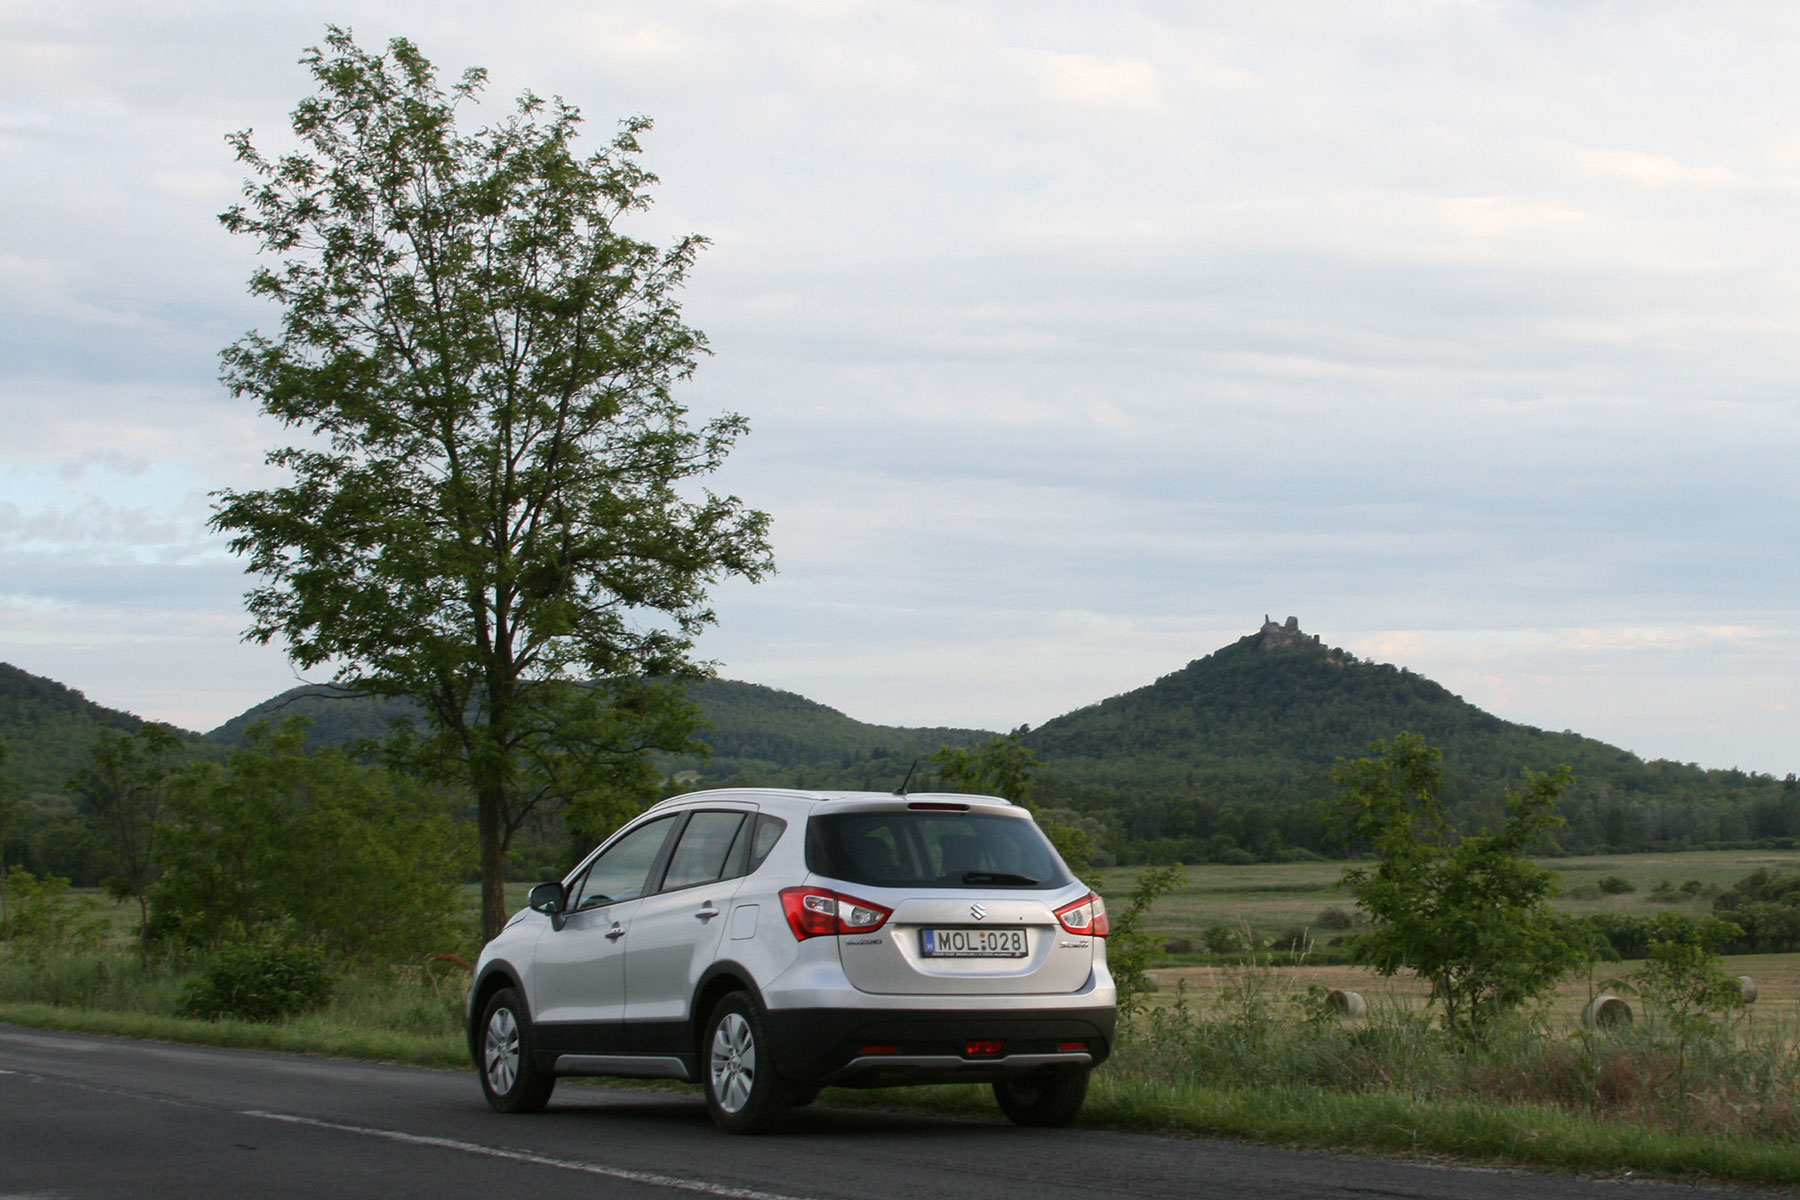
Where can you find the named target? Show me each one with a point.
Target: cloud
(1073, 342)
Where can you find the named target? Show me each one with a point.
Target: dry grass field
(1268, 899)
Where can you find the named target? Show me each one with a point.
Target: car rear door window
(704, 851)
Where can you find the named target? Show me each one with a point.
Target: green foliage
(51, 729)
(1131, 948)
(260, 980)
(120, 792)
(494, 491)
(1001, 766)
(364, 862)
(1616, 885)
(1682, 974)
(1468, 913)
(42, 917)
(1682, 977)
(1765, 906)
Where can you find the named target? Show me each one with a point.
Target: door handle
(616, 932)
(707, 913)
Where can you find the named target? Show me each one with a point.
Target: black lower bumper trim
(883, 1047)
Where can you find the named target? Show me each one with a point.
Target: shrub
(259, 981)
(42, 916)
(1221, 939)
(1616, 885)
(1333, 917)
(1469, 913)
(363, 862)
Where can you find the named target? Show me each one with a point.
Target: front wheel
(744, 1092)
(510, 1076)
(1046, 1099)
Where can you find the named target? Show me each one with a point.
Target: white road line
(652, 1178)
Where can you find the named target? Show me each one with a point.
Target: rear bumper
(889, 1047)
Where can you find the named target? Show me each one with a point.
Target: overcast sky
(1074, 338)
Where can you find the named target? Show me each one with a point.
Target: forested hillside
(1227, 759)
(1233, 753)
(759, 735)
(49, 730)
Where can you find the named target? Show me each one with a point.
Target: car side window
(704, 851)
(768, 832)
(622, 871)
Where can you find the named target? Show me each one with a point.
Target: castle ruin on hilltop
(1286, 635)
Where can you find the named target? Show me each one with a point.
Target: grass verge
(1488, 1133)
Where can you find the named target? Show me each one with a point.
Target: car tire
(744, 1091)
(510, 1076)
(1046, 1099)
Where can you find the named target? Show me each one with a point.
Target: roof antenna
(901, 790)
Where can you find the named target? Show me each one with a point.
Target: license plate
(974, 943)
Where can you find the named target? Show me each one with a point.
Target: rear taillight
(1086, 916)
(820, 912)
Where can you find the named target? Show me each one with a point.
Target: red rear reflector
(938, 806)
(878, 1049)
(983, 1049)
(1071, 1045)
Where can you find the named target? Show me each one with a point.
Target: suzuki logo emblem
(978, 911)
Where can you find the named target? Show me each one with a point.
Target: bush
(365, 863)
(42, 916)
(1333, 917)
(1221, 939)
(259, 981)
(1616, 885)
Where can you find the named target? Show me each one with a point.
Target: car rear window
(908, 848)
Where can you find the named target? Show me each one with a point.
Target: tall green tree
(494, 497)
(120, 792)
(1470, 914)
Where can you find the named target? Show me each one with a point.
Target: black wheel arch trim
(494, 977)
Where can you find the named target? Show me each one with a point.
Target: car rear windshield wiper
(998, 877)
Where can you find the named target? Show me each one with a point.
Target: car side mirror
(548, 898)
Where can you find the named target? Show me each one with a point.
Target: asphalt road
(84, 1116)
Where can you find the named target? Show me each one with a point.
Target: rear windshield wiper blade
(998, 877)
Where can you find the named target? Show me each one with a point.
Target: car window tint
(768, 832)
(704, 849)
(621, 872)
(932, 849)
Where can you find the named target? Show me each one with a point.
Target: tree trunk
(490, 803)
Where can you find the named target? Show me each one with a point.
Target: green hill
(338, 717)
(766, 736)
(758, 734)
(1260, 723)
(1230, 754)
(49, 730)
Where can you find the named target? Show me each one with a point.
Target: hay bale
(1606, 1011)
(1747, 988)
(1347, 1004)
(1152, 983)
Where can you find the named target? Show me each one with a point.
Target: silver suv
(768, 943)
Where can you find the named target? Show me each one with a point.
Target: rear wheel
(1047, 1099)
(744, 1092)
(510, 1077)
